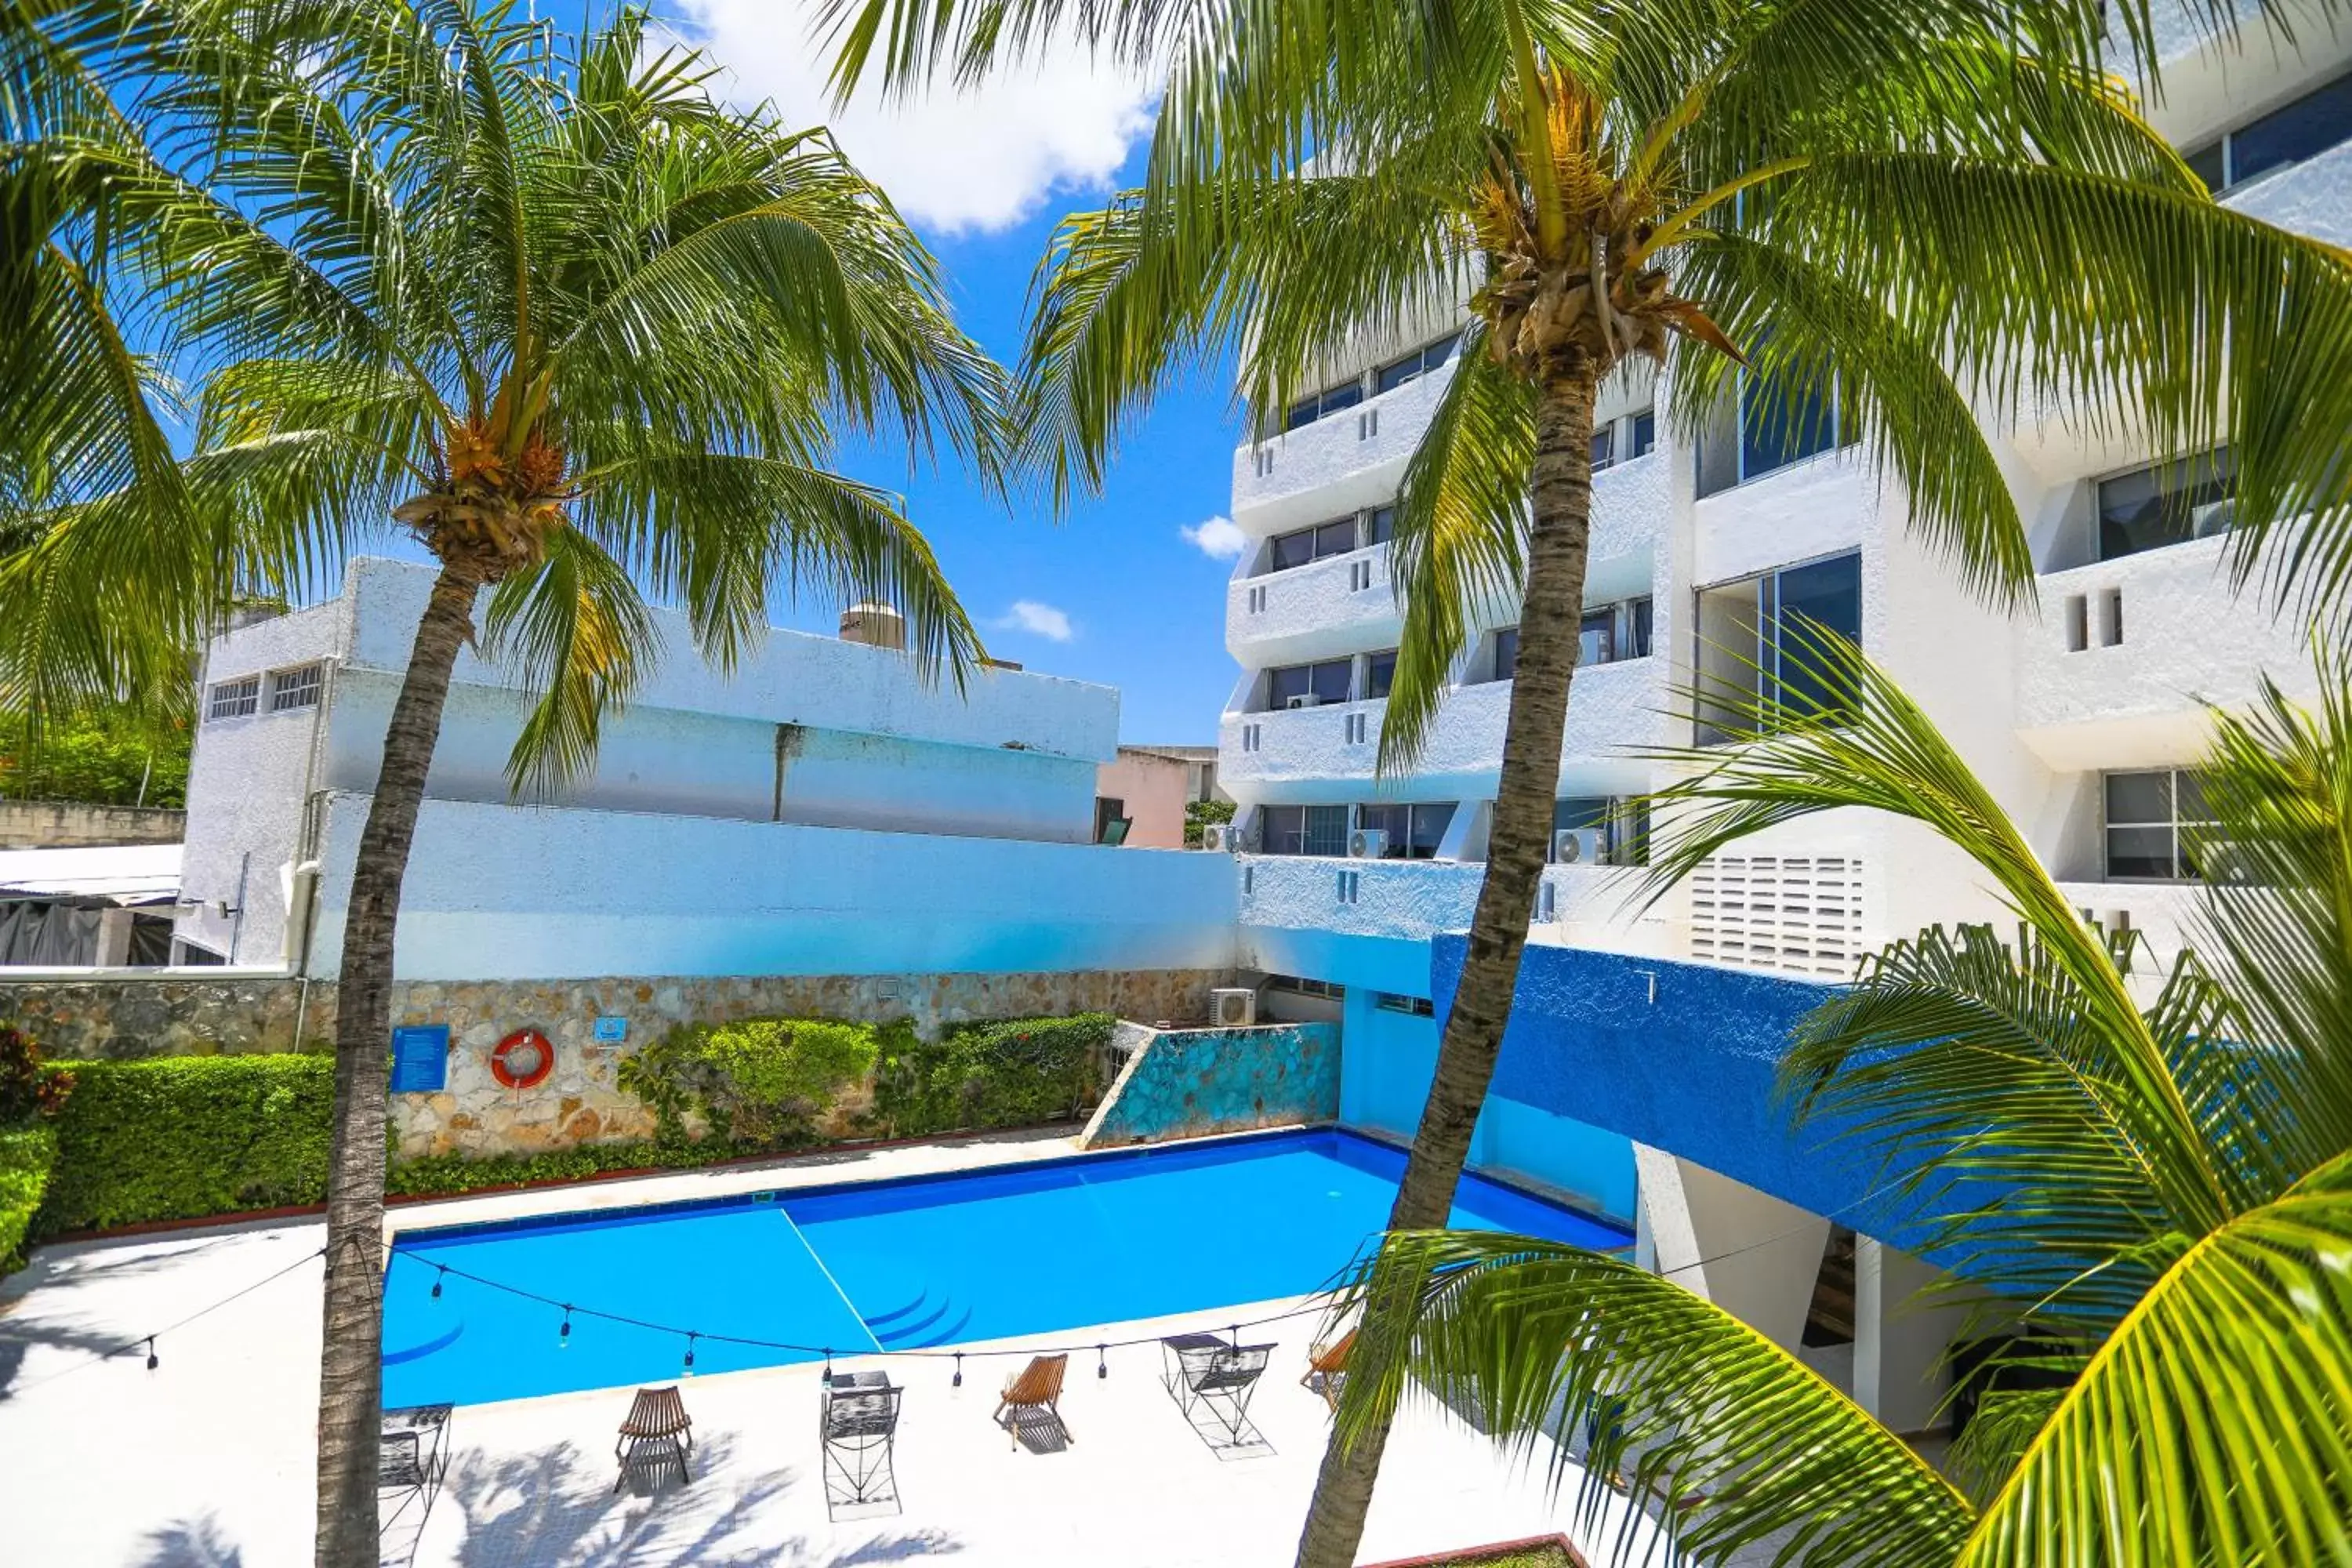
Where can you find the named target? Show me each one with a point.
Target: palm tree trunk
(350, 1384)
(1558, 539)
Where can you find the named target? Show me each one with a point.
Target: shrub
(26, 1155)
(1019, 1072)
(759, 1082)
(448, 1176)
(27, 1088)
(180, 1137)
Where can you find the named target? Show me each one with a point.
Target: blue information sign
(420, 1058)
(612, 1029)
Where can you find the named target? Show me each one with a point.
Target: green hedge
(1017, 1072)
(181, 1137)
(764, 1083)
(26, 1155)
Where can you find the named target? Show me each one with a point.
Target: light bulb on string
(1102, 1362)
(688, 1370)
(152, 1362)
(958, 1380)
(564, 1334)
(438, 1278)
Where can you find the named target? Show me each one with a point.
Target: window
(1604, 448)
(1596, 639)
(1782, 425)
(1312, 544)
(1411, 1007)
(1635, 626)
(1379, 525)
(1111, 819)
(237, 699)
(2166, 503)
(2310, 125)
(1300, 987)
(297, 687)
(2151, 818)
(1307, 410)
(1754, 657)
(1414, 831)
(1506, 653)
(1416, 365)
(1303, 829)
(1325, 682)
(1380, 673)
(1643, 431)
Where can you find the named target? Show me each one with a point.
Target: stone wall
(65, 824)
(1183, 1083)
(578, 1102)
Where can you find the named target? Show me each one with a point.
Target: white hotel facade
(2081, 714)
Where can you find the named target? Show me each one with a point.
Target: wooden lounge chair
(658, 1434)
(1326, 1368)
(1038, 1388)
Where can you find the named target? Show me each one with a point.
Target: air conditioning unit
(1304, 699)
(1223, 837)
(1580, 845)
(1367, 844)
(1233, 1008)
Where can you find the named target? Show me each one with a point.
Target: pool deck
(205, 1462)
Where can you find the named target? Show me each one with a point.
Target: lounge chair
(1206, 1375)
(1326, 1368)
(658, 1434)
(1038, 1388)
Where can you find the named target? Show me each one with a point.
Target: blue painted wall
(1689, 1070)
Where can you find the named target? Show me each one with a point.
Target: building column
(1747, 1251)
(114, 938)
(1899, 1344)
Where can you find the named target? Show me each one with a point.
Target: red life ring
(523, 1059)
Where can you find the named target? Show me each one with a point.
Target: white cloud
(1219, 538)
(953, 160)
(1038, 620)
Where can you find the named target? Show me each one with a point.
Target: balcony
(1407, 900)
(2116, 670)
(1335, 605)
(1612, 710)
(1347, 460)
(1631, 503)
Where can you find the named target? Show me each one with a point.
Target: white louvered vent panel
(1800, 913)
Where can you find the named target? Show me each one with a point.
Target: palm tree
(583, 332)
(1792, 202)
(2159, 1194)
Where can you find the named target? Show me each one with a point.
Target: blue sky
(1114, 592)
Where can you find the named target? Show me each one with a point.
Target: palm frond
(581, 637)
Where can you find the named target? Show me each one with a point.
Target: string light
(438, 1278)
(957, 1381)
(1102, 1360)
(152, 1362)
(688, 1370)
(564, 1334)
(827, 1373)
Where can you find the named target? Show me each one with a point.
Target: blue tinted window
(2308, 126)
(1823, 596)
(1779, 424)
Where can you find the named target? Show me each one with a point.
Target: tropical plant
(1791, 204)
(757, 1082)
(109, 755)
(543, 301)
(2157, 1194)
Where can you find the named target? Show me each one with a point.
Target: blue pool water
(918, 1264)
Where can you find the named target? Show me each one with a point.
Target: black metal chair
(857, 1426)
(1207, 1377)
(412, 1457)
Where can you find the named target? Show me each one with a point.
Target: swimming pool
(911, 1264)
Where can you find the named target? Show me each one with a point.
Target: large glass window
(1781, 424)
(1307, 410)
(1634, 624)
(1379, 525)
(1415, 830)
(1380, 673)
(1326, 682)
(1755, 644)
(1604, 448)
(2166, 503)
(1643, 433)
(1596, 639)
(1311, 544)
(1506, 653)
(2150, 820)
(2313, 123)
(1416, 365)
(1303, 829)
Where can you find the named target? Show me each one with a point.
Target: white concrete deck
(205, 1462)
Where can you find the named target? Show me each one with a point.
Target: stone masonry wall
(68, 824)
(1183, 1083)
(578, 1102)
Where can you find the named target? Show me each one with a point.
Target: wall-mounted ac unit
(1224, 837)
(1304, 699)
(1367, 844)
(1233, 1007)
(1580, 845)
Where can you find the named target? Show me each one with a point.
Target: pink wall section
(1154, 790)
